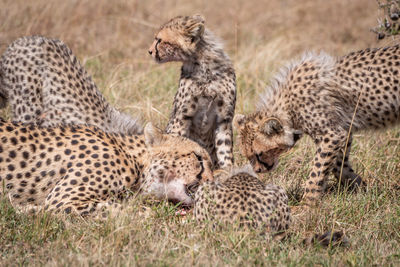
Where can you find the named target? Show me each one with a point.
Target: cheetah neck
(278, 99)
(137, 155)
(210, 60)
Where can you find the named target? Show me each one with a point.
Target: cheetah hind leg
(28, 209)
(94, 209)
(99, 210)
(105, 210)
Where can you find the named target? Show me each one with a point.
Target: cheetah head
(177, 166)
(262, 139)
(177, 39)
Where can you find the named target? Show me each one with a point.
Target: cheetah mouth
(267, 166)
(180, 204)
(157, 58)
(190, 191)
(160, 60)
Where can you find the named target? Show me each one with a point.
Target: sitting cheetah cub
(46, 84)
(327, 99)
(239, 199)
(204, 104)
(81, 170)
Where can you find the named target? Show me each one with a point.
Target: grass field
(111, 39)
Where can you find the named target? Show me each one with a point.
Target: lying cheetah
(204, 104)
(327, 99)
(46, 84)
(241, 199)
(80, 169)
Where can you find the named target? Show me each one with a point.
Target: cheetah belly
(204, 121)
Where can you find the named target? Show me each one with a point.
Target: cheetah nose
(150, 52)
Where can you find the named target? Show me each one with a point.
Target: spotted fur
(328, 99)
(240, 199)
(82, 169)
(205, 101)
(46, 84)
(243, 199)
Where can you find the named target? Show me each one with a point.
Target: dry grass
(111, 38)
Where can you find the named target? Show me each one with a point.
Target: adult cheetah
(328, 99)
(240, 199)
(46, 84)
(204, 104)
(80, 169)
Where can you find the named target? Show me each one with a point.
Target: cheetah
(46, 84)
(204, 103)
(328, 99)
(81, 169)
(240, 199)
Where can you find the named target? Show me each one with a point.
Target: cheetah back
(243, 199)
(45, 83)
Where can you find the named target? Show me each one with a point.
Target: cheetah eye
(259, 156)
(200, 159)
(192, 188)
(158, 40)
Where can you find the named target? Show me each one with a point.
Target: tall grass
(111, 39)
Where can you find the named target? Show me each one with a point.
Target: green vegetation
(111, 39)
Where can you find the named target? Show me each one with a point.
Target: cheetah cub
(204, 104)
(82, 170)
(240, 199)
(328, 99)
(46, 84)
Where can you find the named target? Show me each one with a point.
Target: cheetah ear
(152, 135)
(271, 127)
(238, 121)
(195, 27)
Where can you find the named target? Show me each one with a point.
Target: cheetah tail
(328, 239)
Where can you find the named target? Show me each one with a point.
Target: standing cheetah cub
(327, 99)
(46, 84)
(204, 104)
(79, 169)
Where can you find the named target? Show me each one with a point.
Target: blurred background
(111, 39)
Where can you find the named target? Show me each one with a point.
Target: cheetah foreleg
(327, 152)
(223, 144)
(343, 171)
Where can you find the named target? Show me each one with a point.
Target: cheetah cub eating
(46, 84)
(239, 199)
(78, 169)
(328, 99)
(204, 104)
